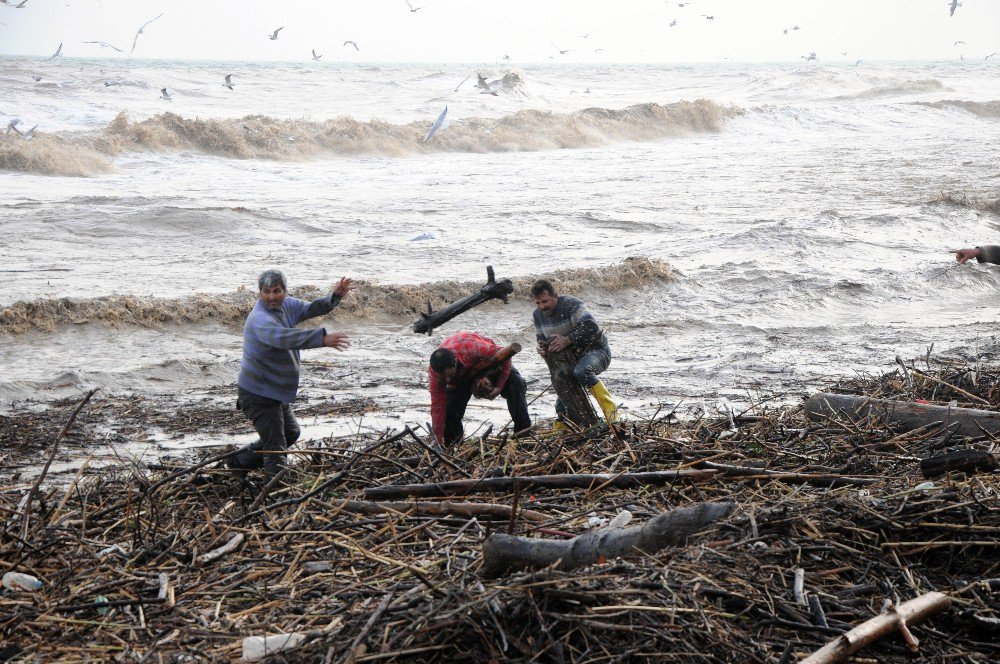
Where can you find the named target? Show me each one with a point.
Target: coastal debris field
(828, 522)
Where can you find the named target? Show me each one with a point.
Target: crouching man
(453, 378)
(563, 322)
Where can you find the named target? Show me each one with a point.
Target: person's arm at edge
(437, 406)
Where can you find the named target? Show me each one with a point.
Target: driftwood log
(492, 290)
(964, 461)
(504, 553)
(895, 619)
(579, 410)
(904, 415)
(579, 481)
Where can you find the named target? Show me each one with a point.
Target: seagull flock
(484, 85)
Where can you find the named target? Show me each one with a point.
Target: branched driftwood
(895, 619)
(503, 553)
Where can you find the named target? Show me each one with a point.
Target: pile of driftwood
(763, 536)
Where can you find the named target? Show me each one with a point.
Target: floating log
(579, 481)
(896, 618)
(966, 461)
(904, 415)
(574, 398)
(492, 290)
(504, 553)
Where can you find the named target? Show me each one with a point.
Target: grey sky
(526, 30)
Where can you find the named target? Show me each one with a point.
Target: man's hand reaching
(964, 255)
(336, 341)
(344, 286)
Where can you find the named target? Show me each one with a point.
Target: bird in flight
(811, 56)
(672, 23)
(990, 55)
(316, 57)
(104, 45)
(954, 4)
(437, 125)
(683, 4)
(413, 9)
(506, 57)
(12, 127)
(57, 53)
(166, 95)
(584, 36)
(561, 51)
(274, 35)
(354, 44)
(958, 42)
(229, 81)
(710, 17)
(141, 32)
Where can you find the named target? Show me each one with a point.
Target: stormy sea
(739, 231)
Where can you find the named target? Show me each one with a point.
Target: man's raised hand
(336, 341)
(964, 255)
(344, 286)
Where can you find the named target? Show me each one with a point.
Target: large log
(574, 398)
(965, 461)
(896, 618)
(504, 553)
(904, 415)
(579, 481)
(492, 290)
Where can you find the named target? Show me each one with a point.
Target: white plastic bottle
(19, 581)
(256, 647)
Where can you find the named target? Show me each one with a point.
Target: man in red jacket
(451, 391)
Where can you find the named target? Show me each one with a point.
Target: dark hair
(441, 359)
(542, 286)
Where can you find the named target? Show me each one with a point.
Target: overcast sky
(526, 30)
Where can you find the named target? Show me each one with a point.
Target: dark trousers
(277, 427)
(456, 400)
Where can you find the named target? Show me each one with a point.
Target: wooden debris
(894, 619)
(504, 553)
(905, 415)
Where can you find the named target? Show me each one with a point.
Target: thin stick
(45, 470)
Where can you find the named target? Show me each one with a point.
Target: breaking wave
(961, 200)
(370, 301)
(982, 109)
(897, 89)
(265, 137)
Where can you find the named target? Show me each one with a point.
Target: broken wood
(444, 508)
(578, 481)
(904, 415)
(578, 408)
(504, 553)
(966, 461)
(230, 546)
(823, 479)
(492, 290)
(896, 618)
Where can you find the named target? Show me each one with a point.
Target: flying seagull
(785, 31)
(21, 6)
(990, 55)
(413, 9)
(12, 125)
(352, 43)
(229, 81)
(561, 51)
(958, 42)
(57, 53)
(584, 36)
(682, 4)
(811, 56)
(141, 32)
(104, 45)
(506, 57)
(437, 125)
(316, 57)
(165, 95)
(954, 4)
(274, 35)
(672, 23)
(710, 17)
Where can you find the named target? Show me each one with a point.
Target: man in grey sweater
(562, 322)
(269, 372)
